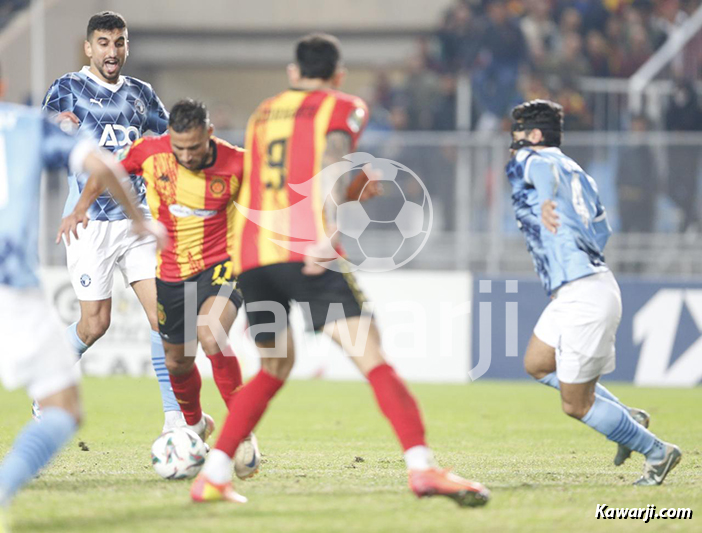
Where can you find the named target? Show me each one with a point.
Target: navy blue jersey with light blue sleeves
(115, 115)
(577, 248)
(29, 143)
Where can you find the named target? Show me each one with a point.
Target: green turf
(332, 464)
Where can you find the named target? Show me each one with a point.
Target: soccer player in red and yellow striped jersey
(192, 179)
(279, 233)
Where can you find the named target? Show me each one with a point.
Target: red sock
(187, 392)
(227, 373)
(398, 405)
(246, 409)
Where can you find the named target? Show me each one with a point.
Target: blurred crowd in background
(513, 50)
(516, 50)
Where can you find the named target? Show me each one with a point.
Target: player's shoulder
(154, 143)
(148, 146)
(141, 85)
(229, 157)
(348, 100)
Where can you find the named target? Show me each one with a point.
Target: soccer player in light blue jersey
(115, 110)
(33, 351)
(565, 225)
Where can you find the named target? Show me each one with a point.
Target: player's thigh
(359, 337)
(91, 261)
(220, 313)
(278, 355)
(145, 291)
(540, 358)
(218, 300)
(34, 353)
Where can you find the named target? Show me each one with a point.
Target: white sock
(419, 458)
(218, 467)
(173, 419)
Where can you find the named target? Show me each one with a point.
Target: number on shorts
(228, 268)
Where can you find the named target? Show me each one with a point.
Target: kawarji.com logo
(406, 222)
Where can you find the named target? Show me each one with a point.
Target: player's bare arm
(79, 216)
(549, 217)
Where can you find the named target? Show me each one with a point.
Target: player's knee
(95, 327)
(177, 364)
(208, 341)
(574, 410)
(533, 368)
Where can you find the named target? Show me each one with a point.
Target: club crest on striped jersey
(217, 187)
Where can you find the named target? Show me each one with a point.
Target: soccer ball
(398, 230)
(178, 454)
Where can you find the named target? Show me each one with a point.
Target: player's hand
(151, 228)
(549, 217)
(358, 190)
(70, 225)
(69, 118)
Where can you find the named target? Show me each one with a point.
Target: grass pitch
(331, 464)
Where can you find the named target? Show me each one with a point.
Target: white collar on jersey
(114, 87)
(551, 149)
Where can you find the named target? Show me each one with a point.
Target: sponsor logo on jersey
(115, 135)
(217, 187)
(97, 101)
(182, 211)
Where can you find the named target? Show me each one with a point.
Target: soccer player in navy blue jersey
(558, 210)
(115, 110)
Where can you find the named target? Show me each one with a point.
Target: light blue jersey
(29, 143)
(115, 115)
(577, 249)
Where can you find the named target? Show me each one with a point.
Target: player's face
(192, 147)
(108, 52)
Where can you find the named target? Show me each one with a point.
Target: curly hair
(544, 115)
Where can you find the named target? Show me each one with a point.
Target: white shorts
(100, 247)
(581, 323)
(34, 352)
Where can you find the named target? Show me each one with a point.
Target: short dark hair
(544, 115)
(318, 55)
(106, 21)
(188, 114)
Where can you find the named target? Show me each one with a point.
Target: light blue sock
(158, 360)
(552, 381)
(33, 448)
(74, 340)
(615, 423)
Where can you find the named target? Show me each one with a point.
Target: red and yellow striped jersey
(196, 207)
(285, 140)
